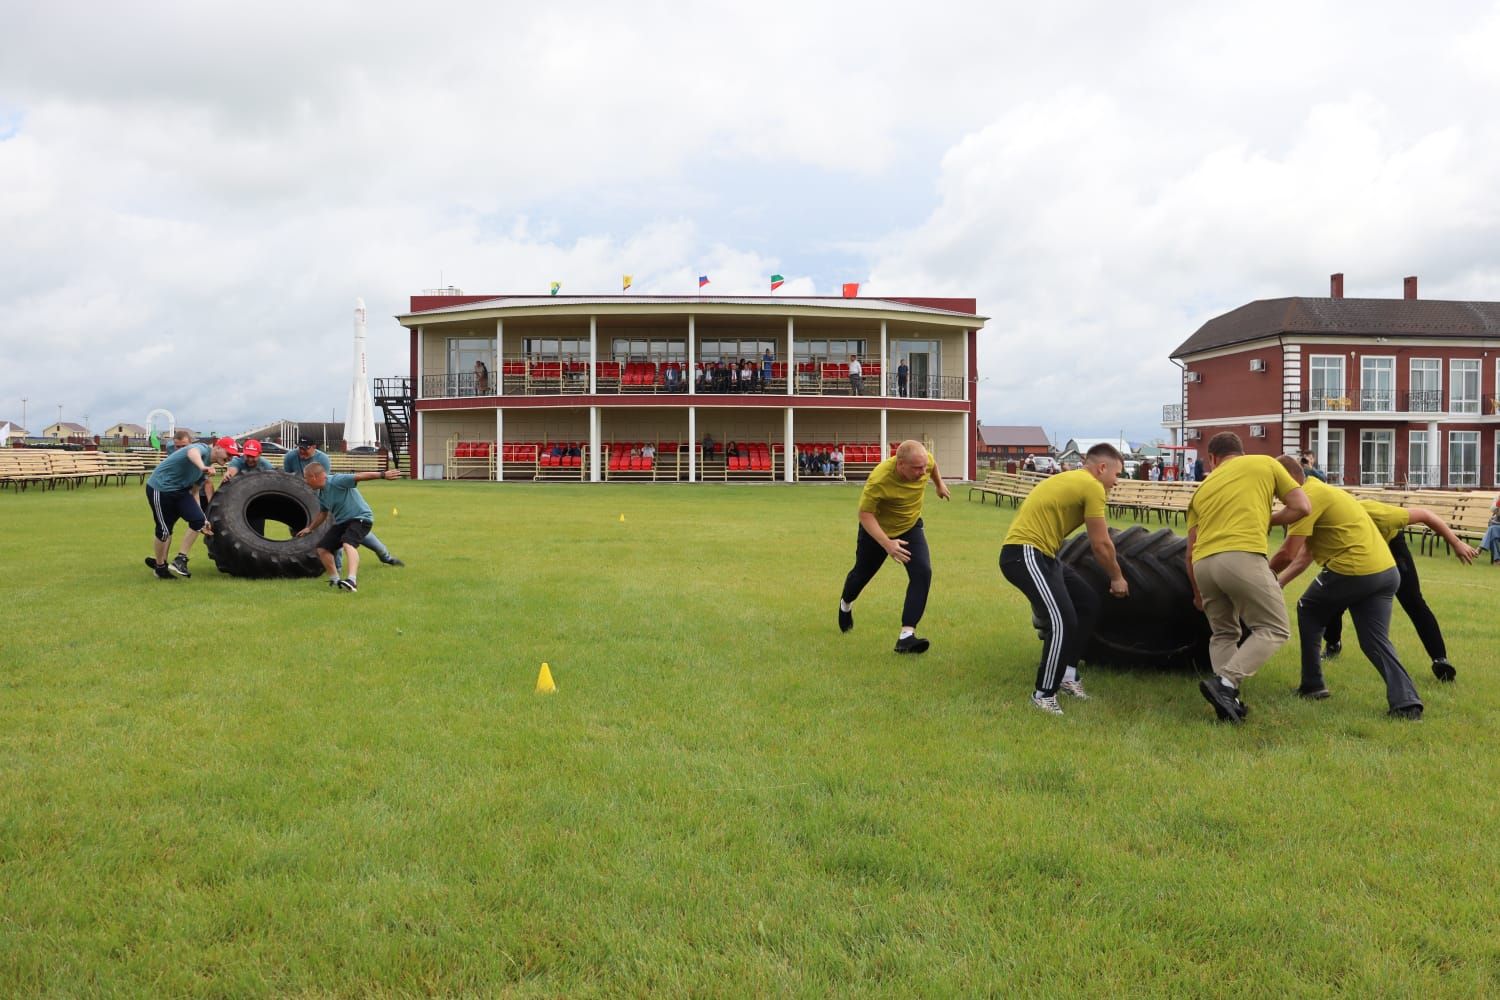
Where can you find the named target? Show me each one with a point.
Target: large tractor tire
(1157, 625)
(239, 511)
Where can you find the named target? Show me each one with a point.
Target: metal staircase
(393, 396)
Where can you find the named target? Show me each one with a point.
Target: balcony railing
(1404, 476)
(523, 376)
(1383, 401)
(1171, 414)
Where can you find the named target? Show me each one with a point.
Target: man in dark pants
(172, 494)
(1391, 521)
(1059, 596)
(890, 525)
(1359, 573)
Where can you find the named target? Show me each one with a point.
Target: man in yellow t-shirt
(1051, 512)
(890, 525)
(1359, 573)
(1228, 520)
(1391, 521)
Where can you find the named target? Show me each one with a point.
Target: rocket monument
(359, 415)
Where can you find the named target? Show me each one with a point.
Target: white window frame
(1466, 405)
(1434, 365)
(1365, 478)
(1469, 479)
(1424, 479)
(1312, 362)
(1390, 367)
(1334, 470)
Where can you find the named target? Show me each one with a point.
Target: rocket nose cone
(359, 304)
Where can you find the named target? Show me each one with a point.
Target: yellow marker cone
(394, 512)
(544, 684)
(622, 518)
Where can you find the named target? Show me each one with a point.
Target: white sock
(845, 606)
(333, 576)
(906, 632)
(1229, 685)
(1070, 674)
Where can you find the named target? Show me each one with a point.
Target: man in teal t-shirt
(172, 492)
(249, 460)
(339, 500)
(307, 453)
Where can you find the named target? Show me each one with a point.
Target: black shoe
(1332, 649)
(846, 620)
(178, 567)
(1227, 706)
(912, 644)
(150, 562)
(162, 573)
(334, 584)
(1313, 694)
(1444, 671)
(393, 561)
(1411, 712)
(347, 584)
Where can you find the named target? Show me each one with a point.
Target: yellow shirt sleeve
(1095, 501)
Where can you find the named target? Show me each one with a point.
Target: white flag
(4, 434)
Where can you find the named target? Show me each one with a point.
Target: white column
(500, 441)
(791, 363)
(692, 357)
(692, 441)
(963, 339)
(885, 362)
(498, 375)
(1323, 443)
(593, 435)
(416, 390)
(885, 440)
(968, 436)
(1434, 454)
(788, 459)
(421, 444)
(594, 372)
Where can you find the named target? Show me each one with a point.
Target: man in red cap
(248, 460)
(172, 492)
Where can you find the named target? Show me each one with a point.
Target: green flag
(155, 441)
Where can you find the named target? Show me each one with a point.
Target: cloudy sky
(192, 195)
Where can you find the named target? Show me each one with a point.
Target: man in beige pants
(1228, 520)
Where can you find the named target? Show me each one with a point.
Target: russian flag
(702, 280)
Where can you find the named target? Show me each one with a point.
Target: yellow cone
(394, 512)
(622, 517)
(544, 684)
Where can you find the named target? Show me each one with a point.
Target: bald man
(890, 526)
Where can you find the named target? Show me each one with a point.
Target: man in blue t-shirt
(249, 460)
(172, 492)
(339, 500)
(307, 453)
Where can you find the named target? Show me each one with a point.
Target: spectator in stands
(1228, 519)
(748, 375)
(339, 500)
(575, 452)
(1491, 540)
(172, 494)
(1391, 521)
(669, 378)
(559, 450)
(1359, 573)
(649, 450)
(1059, 596)
(856, 377)
(708, 446)
(766, 361)
(308, 453)
(903, 378)
(1310, 467)
(836, 461)
(731, 450)
(890, 525)
(481, 379)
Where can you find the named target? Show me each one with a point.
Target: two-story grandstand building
(1384, 391)
(681, 388)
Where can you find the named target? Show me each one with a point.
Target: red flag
(851, 289)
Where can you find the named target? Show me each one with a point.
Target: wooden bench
(25, 467)
(359, 462)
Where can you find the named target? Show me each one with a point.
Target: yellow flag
(626, 282)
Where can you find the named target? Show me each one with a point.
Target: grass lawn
(224, 787)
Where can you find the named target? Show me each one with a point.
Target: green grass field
(228, 788)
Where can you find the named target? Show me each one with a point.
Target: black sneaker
(1227, 705)
(347, 584)
(1313, 694)
(912, 644)
(846, 620)
(1444, 671)
(1332, 649)
(1410, 712)
(393, 561)
(162, 573)
(150, 562)
(334, 584)
(178, 567)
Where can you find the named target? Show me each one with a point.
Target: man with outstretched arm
(1228, 520)
(1051, 512)
(1391, 520)
(172, 492)
(308, 453)
(890, 526)
(339, 499)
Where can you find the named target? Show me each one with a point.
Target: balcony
(523, 376)
(1171, 414)
(1383, 401)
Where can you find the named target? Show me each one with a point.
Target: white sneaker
(1075, 688)
(1047, 703)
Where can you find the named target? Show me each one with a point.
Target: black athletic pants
(1368, 599)
(869, 557)
(1059, 597)
(1409, 594)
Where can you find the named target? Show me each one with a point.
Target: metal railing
(1171, 414)
(1380, 401)
(927, 387)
